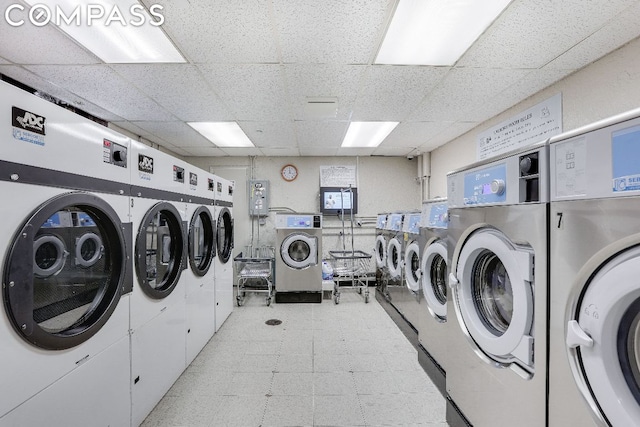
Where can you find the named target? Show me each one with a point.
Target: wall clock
(289, 172)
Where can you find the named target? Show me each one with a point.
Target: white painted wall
(607, 87)
(384, 184)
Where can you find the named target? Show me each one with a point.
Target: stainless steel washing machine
(594, 364)
(410, 296)
(380, 250)
(393, 284)
(497, 304)
(432, 333)
(299, 258)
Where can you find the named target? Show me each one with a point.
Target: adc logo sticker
(145, 163)
(27, 120)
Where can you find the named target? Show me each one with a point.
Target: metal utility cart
(255, 274)
(349, 265)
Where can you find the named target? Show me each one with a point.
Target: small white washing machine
(432, 333)
(223, 262)
(199, 277)
(408, 302)
(594, 361)
(497, 305)
(299, 258)
(159, 191)
(65, 253)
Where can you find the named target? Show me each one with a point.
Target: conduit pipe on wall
(424, 174)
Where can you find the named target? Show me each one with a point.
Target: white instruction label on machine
(338, 176)
(571, 177)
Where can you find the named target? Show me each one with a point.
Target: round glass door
(160, 247)
(65, 271)
(381, 251)
(434, 279)
(224, 235)
(494, 293)
(201, 241)
(299, 250)
(603, 338)
(412, 267)
(394, 257)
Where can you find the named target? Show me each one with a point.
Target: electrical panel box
(259, 197)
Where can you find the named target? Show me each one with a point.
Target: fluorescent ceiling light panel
(367, 134)
(117, 31)
(436, 32)
(223, 134)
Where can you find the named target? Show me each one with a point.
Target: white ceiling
(257, 61)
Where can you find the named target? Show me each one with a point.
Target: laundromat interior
(320, 213)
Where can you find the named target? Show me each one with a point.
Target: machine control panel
(299, 221)
(259, 197)
(178, 174)
(114, 153)
(411, 224)
(394, 222)
(486, 186)
(381, 222)
(438, 216)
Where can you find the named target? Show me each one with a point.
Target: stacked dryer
(66, 280)
(199, 277)
(158, 307)
(223, 263)
(498, 220)
(594, 371)
(432, 333)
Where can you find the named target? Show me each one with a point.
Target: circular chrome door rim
(80, 260)
(311, 241)
(436, 308)
(412, 276)
(394, 262)
(518, 264)
(381, 246)
(61, 255)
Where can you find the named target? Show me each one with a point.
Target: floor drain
(273, 322)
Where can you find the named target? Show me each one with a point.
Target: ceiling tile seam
(274, 31)
(383, 30)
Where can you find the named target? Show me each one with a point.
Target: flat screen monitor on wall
(334, 201)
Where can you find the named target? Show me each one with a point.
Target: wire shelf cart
(255, 274)
(350, 266)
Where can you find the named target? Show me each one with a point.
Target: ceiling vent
(321, 108)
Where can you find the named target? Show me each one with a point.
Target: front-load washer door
(412, 267)
(603, 340)
(224, 235)
(299, 250)
(493, 292)
(434, 279)
(394, 257)
(65, 270)
(160, 247)
(202, 242)
(381, 251)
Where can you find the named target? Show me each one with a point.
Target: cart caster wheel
(239, 301)
(336, 299)
(359, 290)
(268, 302)
(366, 298)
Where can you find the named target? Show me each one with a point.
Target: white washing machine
(159, 191)
(432, 333)
(497, 343)
(393, 283)
(199, 277)
(66, 280)
(223, 262)
(594, 318)
(299, 258)
(380, 250)
(408, 304)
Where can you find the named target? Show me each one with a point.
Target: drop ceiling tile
(101, 85)
(355, 151)
(320, 134)
(529, 34)
(618, 31)
(221, 31)
(239, 152)
(270, 134)
(391, 93)
(277, 152)
(137, 131)
(28, 44)
(318, 151)
(448, 134)
(180, 88)
(204, 151)
(392, 151)
(175, 133)
(323, 80)
(4, 61)
(28, 78)
(252, 92)
(413, 134)
(460, 93)
(331, 31)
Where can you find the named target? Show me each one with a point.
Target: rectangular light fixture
(367, 134)
(223, 134)
(436, 32)
(116, 31)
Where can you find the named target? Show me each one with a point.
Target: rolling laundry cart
(255, 274)
(350, 266)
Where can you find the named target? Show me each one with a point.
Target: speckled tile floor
(324, 365)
